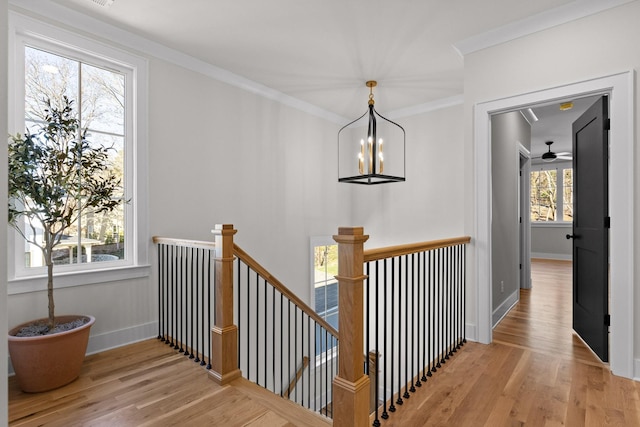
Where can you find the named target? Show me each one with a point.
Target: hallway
(541, 321)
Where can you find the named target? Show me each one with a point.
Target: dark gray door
(591, 227)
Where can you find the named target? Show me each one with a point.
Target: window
(552, 195)
(109, 99)
(98, 98)
(324, 285)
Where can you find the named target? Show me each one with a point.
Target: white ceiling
(555, 125)
(318, 54)
(321, 52)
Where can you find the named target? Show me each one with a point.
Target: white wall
(3, 212)
(550, 242)
(507, 130)
(222, 155)
(591, 47)
(430, 204)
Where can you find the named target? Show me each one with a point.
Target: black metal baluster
(295, 349)
(376, 421)
(264, 336)
(257, 350)
(385, 414)
(311, 362)
(425, 315)
(180, 334)
(173, 293)
(399, 400)
(273, 338)
(209, 298)
(420, 320)
(432, 315)
(323, 379)
(447, 306)
(434, 306)
(392, 351)
(326, 371)
(203, 274)
(413, 323)
(189, 319)
(366, 318)
(461, 303)
(455, 299)
(330, 379)
(198, 279)
(459, 299)
(159, 249)
(302, 335)
(406, 323)
(288, 343)
(464, 293)
(281, 345)
(315, 355)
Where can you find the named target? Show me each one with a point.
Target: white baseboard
(499, 313)
(109, 340)
(543, 255)
(636, 370)
(113, 339)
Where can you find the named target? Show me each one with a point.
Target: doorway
(620, 86)
(524, 218)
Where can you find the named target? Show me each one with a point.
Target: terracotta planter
(49, 361)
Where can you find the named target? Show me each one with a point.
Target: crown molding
(49, 11)
(535, 23)
(425, 108)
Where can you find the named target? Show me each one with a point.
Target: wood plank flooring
(535, 373)
(148, 384)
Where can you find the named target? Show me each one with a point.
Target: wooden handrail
(393, 251)
(184, 242)
(297, 376)
(255, 266)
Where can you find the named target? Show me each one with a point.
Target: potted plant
(52, 173)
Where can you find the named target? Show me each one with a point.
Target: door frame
(524, 227)
(620, 88)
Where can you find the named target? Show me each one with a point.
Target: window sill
(551, 224)
(25, 285)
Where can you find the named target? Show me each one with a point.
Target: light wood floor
(535, 373)
(148, 384)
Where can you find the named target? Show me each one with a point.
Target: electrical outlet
(502, 286)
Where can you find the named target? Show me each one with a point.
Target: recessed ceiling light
(563, 107)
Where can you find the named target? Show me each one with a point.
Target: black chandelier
(371, 148)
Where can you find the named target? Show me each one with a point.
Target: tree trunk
(50, 291)
(47, 250)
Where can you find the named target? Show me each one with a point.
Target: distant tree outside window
(551, 195)
(98, 96)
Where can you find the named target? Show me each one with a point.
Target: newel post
(224, 334)
(351, 385)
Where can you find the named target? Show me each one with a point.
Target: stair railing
(186, 300)
(412, 300)
(277, 333)
(411, 297)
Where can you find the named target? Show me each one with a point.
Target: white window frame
(25, 30)
(559, 167)
(328, 355)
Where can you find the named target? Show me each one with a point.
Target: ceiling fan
(550, 156)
